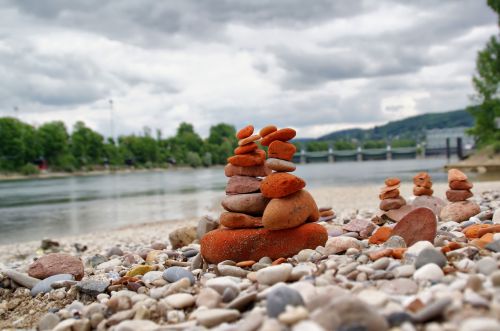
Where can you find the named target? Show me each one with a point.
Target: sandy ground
(343, 199)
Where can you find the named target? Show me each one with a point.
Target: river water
(33, 209)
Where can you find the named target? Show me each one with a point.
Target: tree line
(23, 146)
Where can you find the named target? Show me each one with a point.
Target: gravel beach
(135, 278)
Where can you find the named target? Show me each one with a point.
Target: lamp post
(16, 111)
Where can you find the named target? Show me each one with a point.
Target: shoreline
(54, 175)
(345, 201)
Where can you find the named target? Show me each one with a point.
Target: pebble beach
(134, 278)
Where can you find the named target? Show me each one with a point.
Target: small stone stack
(264, 217)
(389, 195)
(423, 184)
(423, 194)
(459, 209)
(244, 202)
(459, 186)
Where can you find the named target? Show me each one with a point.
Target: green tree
(11, 146)
(486, 82)
(87, 146)
(53, 139)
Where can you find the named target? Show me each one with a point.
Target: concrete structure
(436, 138)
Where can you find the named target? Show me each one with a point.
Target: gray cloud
(308, 65)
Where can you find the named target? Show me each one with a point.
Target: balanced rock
(282, 135)
(239, 220)
(248, 148)
(55, 264)
(281, 184)
(419, 224)
(242, 184)
(254, 244)
(392, 203)
(281, 150)
(456, 175)
(290, 211)
(280, 165)
(252, 203)
(459, 211)
(256, 171)
(245, 132)
(460, 185)
(267, 130)
(458, 195)
(246, 160)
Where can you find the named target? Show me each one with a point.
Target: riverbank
(483, 161)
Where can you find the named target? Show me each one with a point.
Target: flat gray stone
(44, 286)
(280, 297)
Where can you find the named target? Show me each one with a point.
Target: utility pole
(16, 111)
(111, 121)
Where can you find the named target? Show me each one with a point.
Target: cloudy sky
(316, 66)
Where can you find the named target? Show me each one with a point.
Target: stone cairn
(389, 195)
(423, 184)
(459, 209)
(459, 186)
(265, 217)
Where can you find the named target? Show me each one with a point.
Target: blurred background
(121, 113)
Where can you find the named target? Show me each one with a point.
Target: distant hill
(409, 128)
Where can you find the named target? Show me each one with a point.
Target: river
(33, 209)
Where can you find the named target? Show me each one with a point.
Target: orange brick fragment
(380, 236)
(279, 261)
(398, 253)
(473, 230)
(245, 264)
(380, 253)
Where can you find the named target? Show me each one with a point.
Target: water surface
(33, 209)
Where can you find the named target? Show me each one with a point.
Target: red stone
(419, 224)
(456, 175)
(282, 135)
(267, 130)
(290, 211)
(253, 244)
(245, 132)
(381, 235)
(389, 194)
(458, 195)
(248, 148)
(257, 171)
(246, 160)
(392, 181)
(392, 203)
(389, 188)
(460, 185)
(281, 184)
(54, 264)
(239, 220)
(242, 185)
(281, 150)
(422, 179)
(420, 190)
(397, 214)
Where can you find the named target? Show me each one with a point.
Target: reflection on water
(33, 209)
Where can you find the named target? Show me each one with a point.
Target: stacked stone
(291, 206)
(459, 209)
(389, 195)
(423, 184)
(264, 218)
(459, 186)
(244, 202)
